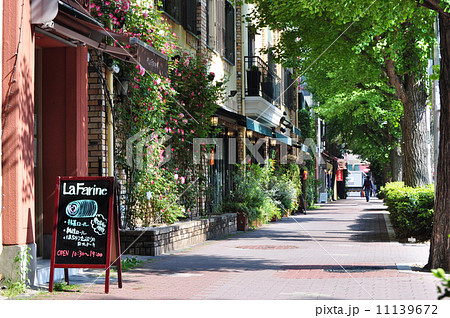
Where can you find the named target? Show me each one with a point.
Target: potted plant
(253, 80)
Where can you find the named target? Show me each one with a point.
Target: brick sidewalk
(340, 251)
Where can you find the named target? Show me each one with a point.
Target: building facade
(55, 107)
(46, 128)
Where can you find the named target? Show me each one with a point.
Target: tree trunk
(412, 94)
(440, 241)
(414, 132)
(396, 163)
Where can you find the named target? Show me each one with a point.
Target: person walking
(367, 187)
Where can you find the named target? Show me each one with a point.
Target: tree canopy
(363, 54)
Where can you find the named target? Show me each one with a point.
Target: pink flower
(182, 180)
(175, 176)
(141, 70)
(126, 6)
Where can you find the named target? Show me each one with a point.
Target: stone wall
(160, 240)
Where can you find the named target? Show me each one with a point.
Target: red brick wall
(97, 149)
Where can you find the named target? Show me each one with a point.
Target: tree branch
(432, 5)
(376, 88)
(395, 80)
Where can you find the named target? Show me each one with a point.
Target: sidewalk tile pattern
(340, 251)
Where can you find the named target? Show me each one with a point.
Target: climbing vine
(160, 118)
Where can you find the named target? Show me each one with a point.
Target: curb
(390, 228)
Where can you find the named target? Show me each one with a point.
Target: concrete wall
(160, 240)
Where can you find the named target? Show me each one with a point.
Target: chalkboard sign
(85, 228)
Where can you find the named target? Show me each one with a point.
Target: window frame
(229, 38)
(182, 13)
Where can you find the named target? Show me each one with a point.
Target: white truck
(355, 180)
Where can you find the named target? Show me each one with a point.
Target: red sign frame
(113, 254)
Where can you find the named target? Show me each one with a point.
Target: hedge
(411, 209)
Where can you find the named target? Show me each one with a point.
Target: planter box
(159, 240)
(242, 222)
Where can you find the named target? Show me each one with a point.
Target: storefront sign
(339, 175)
(85, 228)
(151, 59)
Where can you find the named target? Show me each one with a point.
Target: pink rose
(126, 6)
(141, 70)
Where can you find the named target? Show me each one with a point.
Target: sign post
(86, 226)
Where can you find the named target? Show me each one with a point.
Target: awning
(329, 156)
(296, 131)
(73, 24)
(259, 128)
(305, 149)
(231, 117)
(280, 137)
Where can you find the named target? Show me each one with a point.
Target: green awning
(259, 128)
(296, 131)
(307, 150)
(280, 137)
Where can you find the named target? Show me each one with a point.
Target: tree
(368, 124)
(440, 244)
(390, 18)
(385, 50)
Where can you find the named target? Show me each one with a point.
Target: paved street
(341, 251)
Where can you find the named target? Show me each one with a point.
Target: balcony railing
(262, 81)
